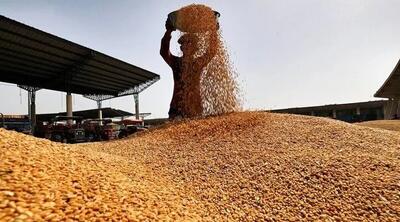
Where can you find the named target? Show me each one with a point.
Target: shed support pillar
(100, 112)
(397, 102)
(136, 99)
(391, 109)
(69, 107)
(32, 114)
(29, 105)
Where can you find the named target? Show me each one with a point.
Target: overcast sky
(288, 53)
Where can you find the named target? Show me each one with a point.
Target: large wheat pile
(42, 180)
(249, 166)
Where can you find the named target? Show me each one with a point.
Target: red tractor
(111, 131)
(60, 130)
(97, 130)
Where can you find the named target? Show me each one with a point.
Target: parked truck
(19, 123)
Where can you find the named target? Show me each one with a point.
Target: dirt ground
(250, 166)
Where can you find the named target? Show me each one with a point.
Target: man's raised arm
(165, 41)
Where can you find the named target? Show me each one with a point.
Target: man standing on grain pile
(189, 46)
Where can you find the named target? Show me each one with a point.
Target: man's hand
(169, 26)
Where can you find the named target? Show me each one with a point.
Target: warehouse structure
(34, 60)
(391, 90)
(350, 112)
(361, 111)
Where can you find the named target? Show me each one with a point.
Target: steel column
(100, 112)
(136, 99)
(69, 107)
(33, 110)
(31, 104)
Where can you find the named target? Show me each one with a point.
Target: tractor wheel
(90, 138)
(57, 137)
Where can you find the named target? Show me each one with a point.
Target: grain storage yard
(249, 166)
(210, 161)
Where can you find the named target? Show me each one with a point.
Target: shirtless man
(195, 65)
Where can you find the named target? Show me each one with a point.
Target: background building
(350, 112)
(361, 111)
(391, 90)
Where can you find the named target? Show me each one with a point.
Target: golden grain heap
(210, 81)
(382, 124)
(46, 181)
(249, 166)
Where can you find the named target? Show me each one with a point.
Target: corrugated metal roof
(391, 87)
(29, 56)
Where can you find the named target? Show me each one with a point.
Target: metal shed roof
(391, 87)
(29, 56)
